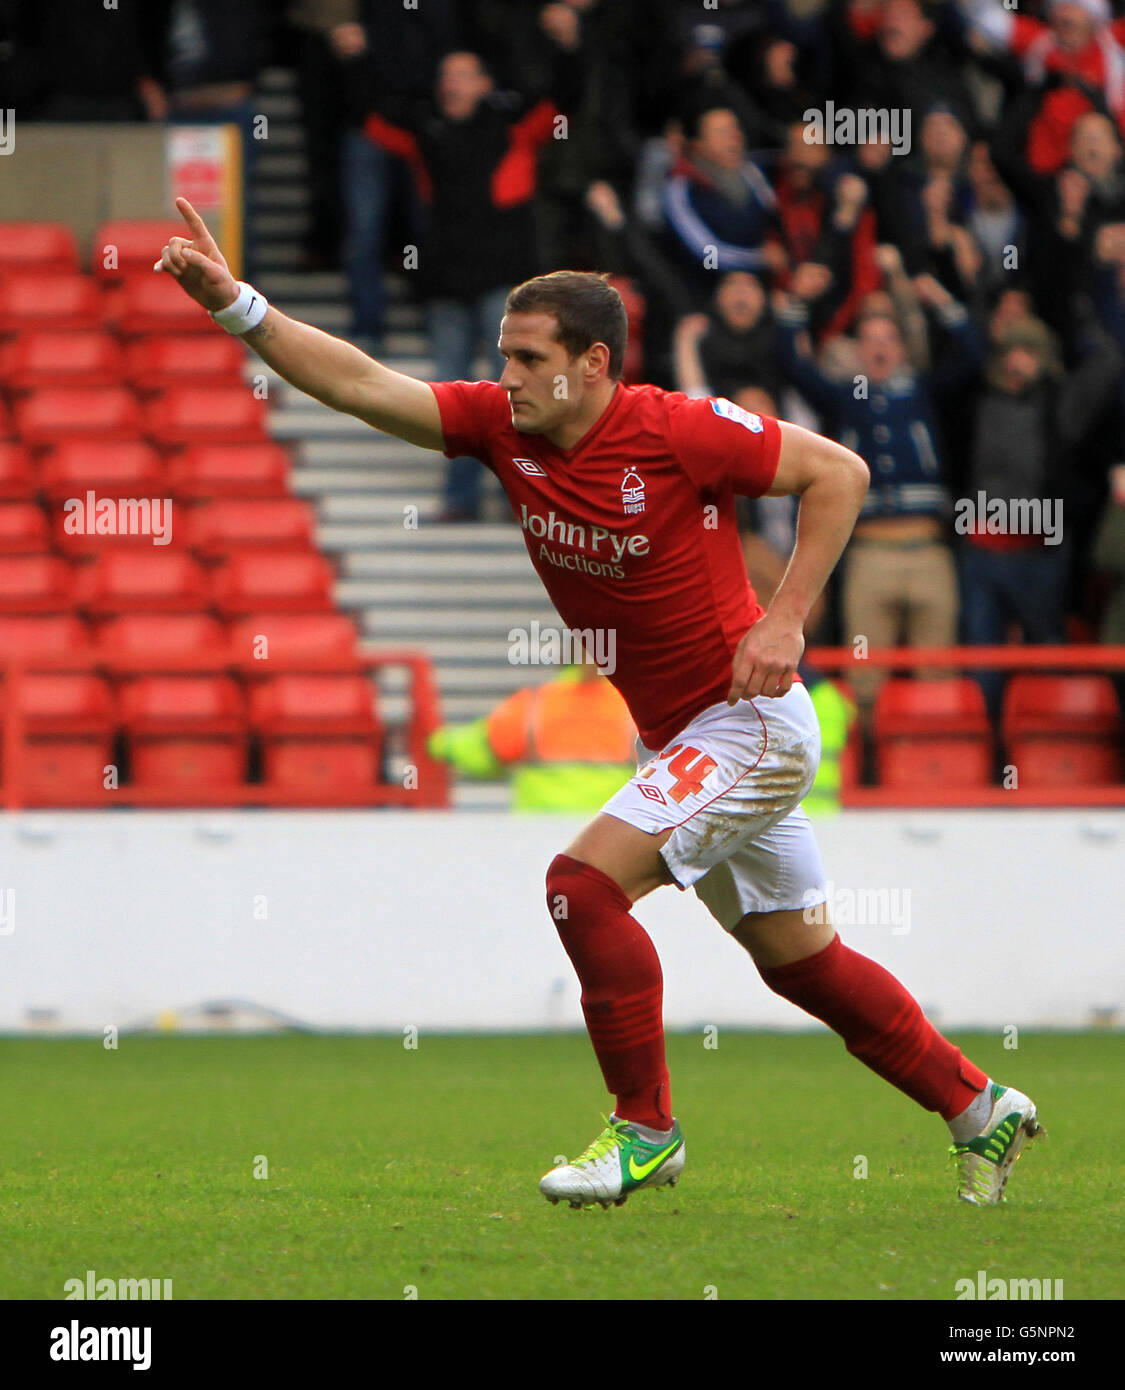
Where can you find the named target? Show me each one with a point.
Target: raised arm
(322, 366)
(831, 482)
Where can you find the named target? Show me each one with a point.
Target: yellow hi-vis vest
(569, 744)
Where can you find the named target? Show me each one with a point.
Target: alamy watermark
(78, 1343)
(859, 907)
(125, 516)
(982, 1287)
(102, 1289)
(840, 125)
(568, 646)
(1015, 516)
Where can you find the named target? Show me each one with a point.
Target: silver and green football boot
(617, 1163)
(986, 1162)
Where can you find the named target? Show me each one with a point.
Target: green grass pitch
(391, 1170)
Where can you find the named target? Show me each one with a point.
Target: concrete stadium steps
(422, 594)
(481, 796)
(284, 169)
(449, 563)
(454, 591)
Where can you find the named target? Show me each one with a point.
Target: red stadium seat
(292, 637)
(206, 415)
(218, 528)
(229, 470)
(147, 303)
(320, 768)
(65, 703)
(68, 745)
(58, 634)
(17, 481)
(54, 413)
(159, 363)
(127, 246)
(35, 584)
(291, 581)
(175, 704)
(165, 581)
(153, 636)
(1062, 731)
(35, 246)
(7, 425)
(317, 732)
(931, 733)
(23, 529)
(303, 705)
(129, 469)
(43, 357)
(46, 300)
(184, 731)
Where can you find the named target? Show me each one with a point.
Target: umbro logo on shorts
(530, 467)
(653, 793)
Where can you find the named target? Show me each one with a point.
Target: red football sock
(622, 987)
(881, 1024)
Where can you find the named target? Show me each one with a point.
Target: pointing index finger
(192, 218)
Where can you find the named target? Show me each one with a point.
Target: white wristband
(247, 311)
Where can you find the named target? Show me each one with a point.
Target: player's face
(543, 383)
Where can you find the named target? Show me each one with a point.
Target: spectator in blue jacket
(900, 582)
(718, 205)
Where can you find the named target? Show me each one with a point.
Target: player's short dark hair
(587, 307)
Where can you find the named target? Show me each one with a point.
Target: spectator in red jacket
(824, 222)
(1078, 57)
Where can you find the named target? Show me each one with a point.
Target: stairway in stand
(454, 591)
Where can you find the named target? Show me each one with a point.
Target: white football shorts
(730, 787)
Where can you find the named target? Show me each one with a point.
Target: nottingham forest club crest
(632, 493)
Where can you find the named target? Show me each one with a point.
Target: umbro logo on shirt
(530, 467)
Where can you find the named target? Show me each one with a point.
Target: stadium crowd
(941, 288)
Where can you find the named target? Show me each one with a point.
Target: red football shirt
(633, 531)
